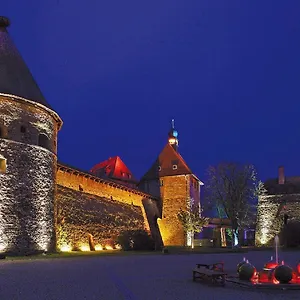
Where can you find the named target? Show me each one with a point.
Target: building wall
(81, 216)
(116, 193)
(175, 192)
(194, 190)
(270, 213)
(27, 190)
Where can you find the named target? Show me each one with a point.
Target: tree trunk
(192, 239)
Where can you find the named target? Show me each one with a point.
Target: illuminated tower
(28, 138)
(172, 180)
(173, 137)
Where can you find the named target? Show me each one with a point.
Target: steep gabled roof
(163, 166)
(15, 77)
(113, 168)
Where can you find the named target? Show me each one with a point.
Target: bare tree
(233, 190)
(192, 221)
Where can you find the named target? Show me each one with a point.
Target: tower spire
(173, 136)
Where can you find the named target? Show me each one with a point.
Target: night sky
(118, 71)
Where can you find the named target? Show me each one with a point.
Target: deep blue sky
(117, 72)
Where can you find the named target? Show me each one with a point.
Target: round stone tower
(28, 147)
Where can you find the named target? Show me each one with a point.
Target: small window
(43, 140)
(80, 188)
(174, 167)
(161, 182)
(159, 168)
(2, 165)
(23, 129)
(1, 133)
(129, 175)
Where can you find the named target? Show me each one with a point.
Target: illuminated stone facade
(27, 190)
(173, 182)
(83, 217)
(281, 202)
(176, 192)
(91, 206)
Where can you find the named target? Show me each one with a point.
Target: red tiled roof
(113, 168)
(163, 166)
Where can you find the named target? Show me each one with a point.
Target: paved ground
(142, 277)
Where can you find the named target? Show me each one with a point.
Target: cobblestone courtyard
(140, 277)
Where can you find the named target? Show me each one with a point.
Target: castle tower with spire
(171, 179)
(28, 138)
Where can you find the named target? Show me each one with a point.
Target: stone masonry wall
(88, 184)
(27, 186)
(27, 198)
(175, 194)
(270, 213)
(35, 121)
(82, 216)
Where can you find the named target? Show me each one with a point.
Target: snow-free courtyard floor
(140, 277)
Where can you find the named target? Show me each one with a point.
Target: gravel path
(141, 277)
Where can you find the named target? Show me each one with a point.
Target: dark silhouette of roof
(291, 186)
(15, 77)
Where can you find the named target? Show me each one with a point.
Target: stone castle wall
(82, 217)
(28, 182)
(175, 191)
(115, 195)
(270, 214)
(17, 116)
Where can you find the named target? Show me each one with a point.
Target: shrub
(135, 240)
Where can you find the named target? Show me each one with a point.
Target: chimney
(281, 178)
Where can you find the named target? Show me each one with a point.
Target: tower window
(161, 182)
(174, 167)
(43, 140)
(2, 165)
(23, 129)
(159, 168)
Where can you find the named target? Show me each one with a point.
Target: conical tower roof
(15, 77)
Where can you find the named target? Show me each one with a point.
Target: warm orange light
(172, 141)
(84, 248)
(108, 247)
(65, 248)
(98, 247)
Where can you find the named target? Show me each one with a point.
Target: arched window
(23, 129)
(43, 141)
